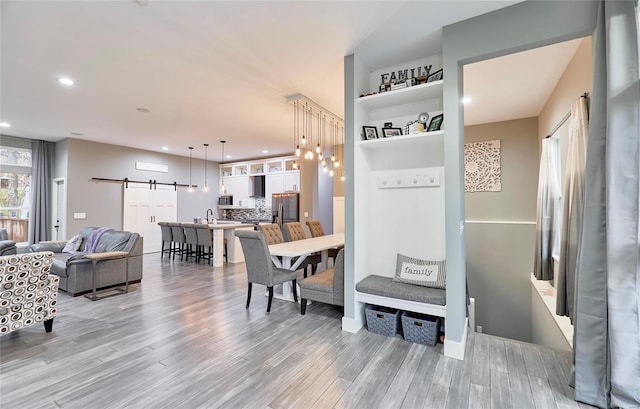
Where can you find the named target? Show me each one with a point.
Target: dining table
(291, 254)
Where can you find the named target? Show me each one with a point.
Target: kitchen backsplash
(260, 212)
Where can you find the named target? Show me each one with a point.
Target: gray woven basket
(382, 320)
(419, 328)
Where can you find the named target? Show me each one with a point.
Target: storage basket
(419, 328)
(382, 320)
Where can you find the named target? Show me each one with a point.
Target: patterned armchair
(28, 293)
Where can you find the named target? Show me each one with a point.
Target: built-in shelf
(409, 95)
(405, 142)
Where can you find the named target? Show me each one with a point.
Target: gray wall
(499, 257)
(102, 202)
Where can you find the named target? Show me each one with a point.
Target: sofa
(29, 292)
(7, 247)
(75, 270)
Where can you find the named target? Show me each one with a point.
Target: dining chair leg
(303, 306)
(294, 288)
(249, 295)
(270, 299)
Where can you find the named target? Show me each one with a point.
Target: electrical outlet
(79, 216)
(479, 329)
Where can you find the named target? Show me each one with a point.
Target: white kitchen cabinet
(291, 182)
(238, 187)
(274, 184)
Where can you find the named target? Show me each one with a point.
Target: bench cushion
(386, 287)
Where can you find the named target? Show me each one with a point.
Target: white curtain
(548, 215)
(607, 320)
(572, 203)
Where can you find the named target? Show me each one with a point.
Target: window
(15, 179)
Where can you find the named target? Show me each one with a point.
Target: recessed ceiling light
(4, 125)
(466, 100)
(228, 156)
(265, 151)
(145, 110)
(66, 81)
(165, 148)
(77, 133)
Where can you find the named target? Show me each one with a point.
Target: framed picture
(436, 76)
(389, 132)
(370, 132)
(436, 123)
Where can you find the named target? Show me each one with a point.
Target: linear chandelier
(329, 133)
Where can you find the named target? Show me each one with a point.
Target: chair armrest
(110, 255)
(7, 247)
(54, 246)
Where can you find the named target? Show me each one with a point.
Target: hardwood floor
(183, 339)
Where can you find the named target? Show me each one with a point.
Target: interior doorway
(58, 214)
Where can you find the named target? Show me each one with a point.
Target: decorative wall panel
(482, 171)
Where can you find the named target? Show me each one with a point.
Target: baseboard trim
(351, 325)
(454, 349)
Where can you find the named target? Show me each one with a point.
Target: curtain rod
(152, 183)
(564, 118)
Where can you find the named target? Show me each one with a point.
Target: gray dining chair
(260, 267)
(326, 286)
(316, 230)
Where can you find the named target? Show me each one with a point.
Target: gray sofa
(74, 270)
(7, 247)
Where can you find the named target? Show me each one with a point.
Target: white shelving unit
(398, 183)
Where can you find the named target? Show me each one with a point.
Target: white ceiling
(516, 85)
(206, 70)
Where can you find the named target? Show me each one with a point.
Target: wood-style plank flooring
(183, 339)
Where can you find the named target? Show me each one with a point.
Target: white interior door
(59, 225)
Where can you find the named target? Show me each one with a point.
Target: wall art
(482, 172)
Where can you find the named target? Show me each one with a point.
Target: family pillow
(426, 273)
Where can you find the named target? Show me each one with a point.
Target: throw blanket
(94, 237)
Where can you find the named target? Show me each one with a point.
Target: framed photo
(436, 123)
(436, 76)
(389, 132)
(370, 132)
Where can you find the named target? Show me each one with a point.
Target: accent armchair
(29, 292)
(326, 286)
(260, 267)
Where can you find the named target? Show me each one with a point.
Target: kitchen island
(221, 230)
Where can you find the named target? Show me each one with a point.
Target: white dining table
(283, 254)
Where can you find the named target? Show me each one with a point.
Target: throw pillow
(426, 273)
(73, 245)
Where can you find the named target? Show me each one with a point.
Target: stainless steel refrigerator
(285, 207)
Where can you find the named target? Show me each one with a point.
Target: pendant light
(190, 188)
(205, 187)
(222, 188)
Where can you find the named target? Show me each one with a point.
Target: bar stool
(178, 240)
(226, 260)
(167, 237)
(205, 242)
(191, 240)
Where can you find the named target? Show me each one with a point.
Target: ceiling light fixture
(205, 187)
(222, 188)
(165, 148)
(466, 100)
(265, 151)
(228, 156)
(66, 81)
(190, 188)
(143, 110)
(4, 125)
(77, 133)
(303, 127)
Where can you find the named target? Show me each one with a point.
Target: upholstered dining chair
(260, 267)
(326, 286)
(295, 231)
(179, 239)
(205, 242)
(315, 227)
(167, 238)
(272, 233)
